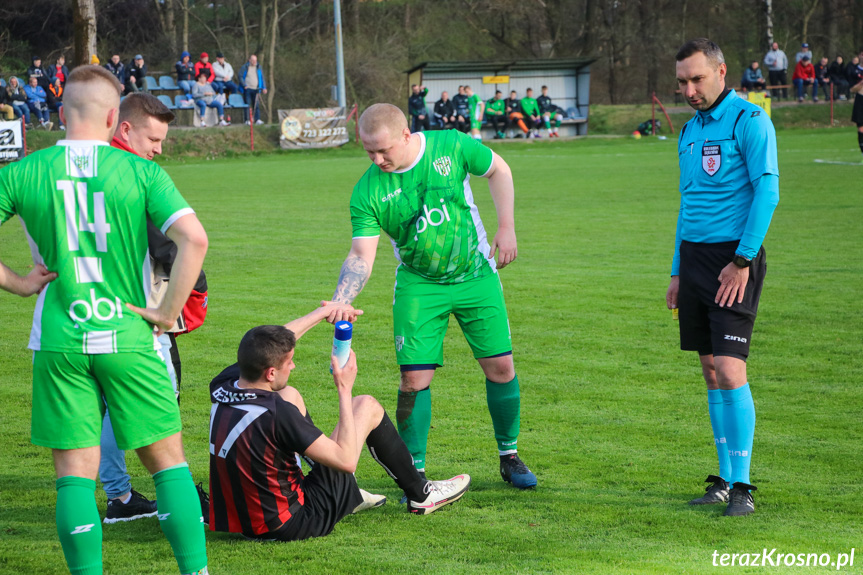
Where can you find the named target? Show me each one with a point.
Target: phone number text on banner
(313, 128)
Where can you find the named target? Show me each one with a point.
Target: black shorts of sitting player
(259, 424)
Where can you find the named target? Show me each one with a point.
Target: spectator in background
(495, 113)
(444, 111)
(549, 111)
(462, 111)
(94, 60)
(839, 78)
(37, 102)
(16, 96)
(185, 74)
(116, 67)
(804, 51)
(252, 81)
(203, 65)
(777, 70)
(513, 113)
(55, 99)
(822, 77)
(59, 70)
(135, 74)
(530, 109)
(417, 109)
(224, 76)
(854, 72)
(752, 78)
(7, 110)
(39, 72)
(205, 97)
(804, 75)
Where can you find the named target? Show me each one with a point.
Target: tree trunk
(186, 25)
(356, 16)
(165, 9)
(831, 24)
(245, 28)
(274, 32)
(262, 36)
(806, 18)
(768, 15)
(315, 17)
(84, 22)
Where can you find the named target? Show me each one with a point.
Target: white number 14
(79, 222)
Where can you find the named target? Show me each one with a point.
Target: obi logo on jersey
(93, 308)
(711, 159)
(433, 217)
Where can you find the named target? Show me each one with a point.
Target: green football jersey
(529, 107)
(428, 210)
(496, 107)
(84, 206)
(473, 104)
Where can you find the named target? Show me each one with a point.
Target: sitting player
(258, 423)
(550, 112)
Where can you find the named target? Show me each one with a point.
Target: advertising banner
(11, 141)
(305, 128)
(760, 99)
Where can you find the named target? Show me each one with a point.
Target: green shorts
(68, 407)
(421, 310)
(475, 124)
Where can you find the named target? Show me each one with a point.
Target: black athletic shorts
(857, 113)
(704, 326)
(330, 495)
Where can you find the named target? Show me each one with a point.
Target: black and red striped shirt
(255, 483)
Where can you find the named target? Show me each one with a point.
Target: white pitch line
(838, 163)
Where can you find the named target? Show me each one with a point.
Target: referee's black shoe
(717, 492)
(741, 502)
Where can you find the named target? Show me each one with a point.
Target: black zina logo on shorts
(711, 159)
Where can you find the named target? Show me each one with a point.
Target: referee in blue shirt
(729, 188)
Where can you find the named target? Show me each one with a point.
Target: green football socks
(413, 416)
(79, 525)
(180, 517)
(504, 405)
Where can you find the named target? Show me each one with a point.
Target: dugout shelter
(568, 81)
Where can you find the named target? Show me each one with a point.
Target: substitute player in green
(418, 191)
(477, 107)
(84, 206)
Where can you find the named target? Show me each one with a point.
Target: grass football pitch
(614, 416)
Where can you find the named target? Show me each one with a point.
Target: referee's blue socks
(739, 426)
(715, 407)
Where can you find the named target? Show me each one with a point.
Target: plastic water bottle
(342, 342)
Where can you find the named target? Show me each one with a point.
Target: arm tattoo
(355, 273)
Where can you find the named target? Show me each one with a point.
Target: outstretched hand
(504, 240)
(340, 311)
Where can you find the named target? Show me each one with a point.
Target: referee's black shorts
(330, 495)
(704, 326)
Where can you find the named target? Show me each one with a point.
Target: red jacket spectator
(804, 70)
(204, 65)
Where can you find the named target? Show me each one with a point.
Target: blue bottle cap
(344, 330)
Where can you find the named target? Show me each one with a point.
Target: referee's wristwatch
(741, 261)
